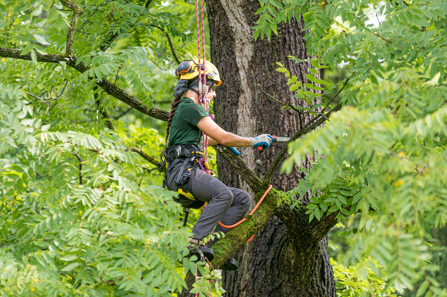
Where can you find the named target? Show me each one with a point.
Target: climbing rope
(202, 65)
(251, 213)
(202, 81)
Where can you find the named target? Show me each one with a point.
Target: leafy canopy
(82, 210)
(383, 169)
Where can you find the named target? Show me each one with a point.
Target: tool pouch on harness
(185, 154)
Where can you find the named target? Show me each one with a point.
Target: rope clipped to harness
(203, 90)
(202, 81)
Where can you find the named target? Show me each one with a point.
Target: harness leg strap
(178, 178)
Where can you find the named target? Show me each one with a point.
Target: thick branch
(309, 127)
(148, 158)
(77, 11)
(236, 237)
(306, 235)
(106, 85)
(241, 167)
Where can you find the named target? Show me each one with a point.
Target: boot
(195, 246)
(230, 265)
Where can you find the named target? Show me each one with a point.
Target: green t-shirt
(184, 124)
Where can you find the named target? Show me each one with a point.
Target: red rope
(202, 64)
(251, 213)
(198, 49)
(200, 73)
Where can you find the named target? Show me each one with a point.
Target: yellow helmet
(189, 69)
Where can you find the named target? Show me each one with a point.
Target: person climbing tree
(187, 170)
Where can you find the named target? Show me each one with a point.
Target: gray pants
(225, 204)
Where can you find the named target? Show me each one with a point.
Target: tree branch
(308, 128)
(77, 11)
(170, 42)
(80, 166)
(38, 98)
(102, 109)
(106, 85)
(388, 41)
(123, 113)
(148, 158)
(339, 91)
(108, 43)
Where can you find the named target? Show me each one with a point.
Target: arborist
(187, 170)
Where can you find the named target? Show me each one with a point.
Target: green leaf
(40, 39)
(322, 82)
(45, 128)
(293, 87)
(69, 258)
(27, 49)
(70, 267)
(422, 289)
(33, 56)
(310, 77)
(52, 14)
(37, 11)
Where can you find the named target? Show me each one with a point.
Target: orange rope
(251, 213)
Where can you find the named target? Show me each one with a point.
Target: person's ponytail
(174, 106)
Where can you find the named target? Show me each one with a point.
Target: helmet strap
(194, 90)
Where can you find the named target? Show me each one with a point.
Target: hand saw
(275, 138)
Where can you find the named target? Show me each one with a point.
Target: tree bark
(285, 258)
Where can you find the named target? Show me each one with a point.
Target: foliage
(87, 230)
(82, 212)
(204, 284)
(365, 279)
(384, 153)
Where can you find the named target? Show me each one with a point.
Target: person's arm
(211, 142)
(210, 128)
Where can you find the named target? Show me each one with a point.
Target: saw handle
(260, 148)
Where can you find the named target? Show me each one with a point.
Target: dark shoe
(230, 265)
(195, 247)
(207, 252)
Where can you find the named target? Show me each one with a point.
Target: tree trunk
(285, 258)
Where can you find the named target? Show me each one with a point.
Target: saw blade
(282, 138)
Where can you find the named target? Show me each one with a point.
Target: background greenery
(83, 213)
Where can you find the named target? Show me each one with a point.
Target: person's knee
(246, 201)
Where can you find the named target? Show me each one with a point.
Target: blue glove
(234, 150)
(262, 142)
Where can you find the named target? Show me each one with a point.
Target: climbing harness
(191, 157)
